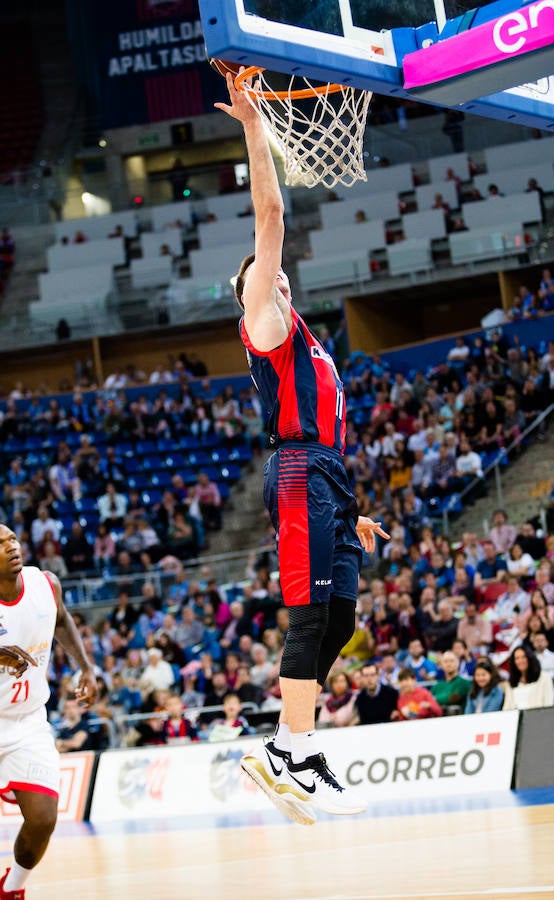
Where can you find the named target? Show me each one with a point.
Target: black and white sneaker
(268, 769)
(315, 779)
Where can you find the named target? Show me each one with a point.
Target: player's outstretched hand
(16, 660)
(367, 529)
(86, 691)
(240, 108)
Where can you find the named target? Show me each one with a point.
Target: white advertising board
(75, 774)
(440, 757)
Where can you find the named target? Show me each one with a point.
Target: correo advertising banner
(460, 755)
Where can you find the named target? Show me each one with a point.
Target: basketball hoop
(319, 129)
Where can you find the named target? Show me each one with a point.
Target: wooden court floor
(501, 853)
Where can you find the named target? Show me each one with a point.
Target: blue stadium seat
(125, 448)
(145, 447)
(89, 521)
(199, 458)
(152, 462)
(166, 445)
(189, 442)
(36, 460)
(98, 438)
(132, 465)
(14, 445)
(139, 481)
(67, 522)
(213, 473)
(175, 461)
(86, 505)
(64, 508)
(33, 442)
(242, 453)
(220, 455)
(211, 440)
(161, 479)
(151, 496)
(230, 472)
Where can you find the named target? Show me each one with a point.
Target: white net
(320, 134)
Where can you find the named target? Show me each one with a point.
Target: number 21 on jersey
(20, 691)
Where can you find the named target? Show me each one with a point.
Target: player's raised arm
(67, 634)
(265, 318)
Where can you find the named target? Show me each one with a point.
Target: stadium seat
(145, 447)
(139, 481)
(151, 497)
(160, 479)
(152, 462)
(174, 461)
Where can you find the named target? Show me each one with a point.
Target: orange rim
(303, 94)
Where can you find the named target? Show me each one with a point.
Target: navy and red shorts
(314, 513)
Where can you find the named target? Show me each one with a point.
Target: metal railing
(85, 593)
(123, 722)
(494, 467)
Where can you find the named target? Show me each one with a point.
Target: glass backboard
(491, 59)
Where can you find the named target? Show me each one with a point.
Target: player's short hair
(241, 277)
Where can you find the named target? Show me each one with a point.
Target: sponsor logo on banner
(225, 774)
(522, 31)
(142, 777)
(512, 32)
(427, 766)
(466, 753)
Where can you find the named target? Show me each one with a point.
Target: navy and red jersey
(300, 387)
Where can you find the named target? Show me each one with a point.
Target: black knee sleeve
(340, 629)
(307, 626)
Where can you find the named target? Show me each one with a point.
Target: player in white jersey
(31, 615)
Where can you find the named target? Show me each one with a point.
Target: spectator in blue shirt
(491, 568)
(485, 694)
(425, 669)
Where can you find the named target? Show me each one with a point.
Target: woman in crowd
(528, 687)
(338, 708)
(539, 607)
(427, 544)
(486, 694)
(519, 563)
(466, 660)
(104, 547)
(537, 624)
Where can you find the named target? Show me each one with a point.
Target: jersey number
(21, 691)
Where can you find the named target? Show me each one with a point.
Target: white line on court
(489, 892)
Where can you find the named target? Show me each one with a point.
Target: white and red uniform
(28, 756)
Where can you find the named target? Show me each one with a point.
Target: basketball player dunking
(307, 493)
(31, 614)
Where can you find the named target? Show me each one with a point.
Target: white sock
(303, 744)
(281, 738)
(17, 876)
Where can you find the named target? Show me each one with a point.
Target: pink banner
(520, 32)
